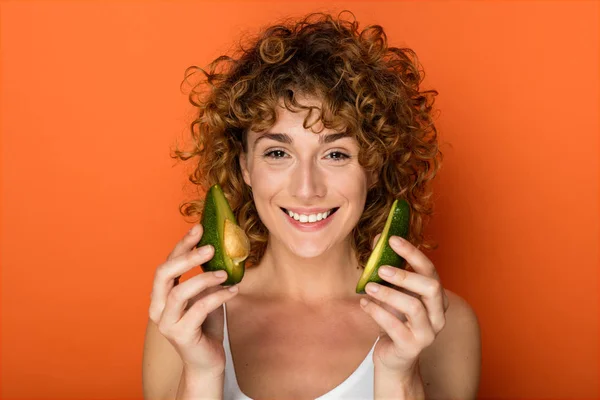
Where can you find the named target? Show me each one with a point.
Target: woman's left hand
(410, 314)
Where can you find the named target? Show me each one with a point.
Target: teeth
(310, 217)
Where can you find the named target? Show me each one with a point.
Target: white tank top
(358, 386)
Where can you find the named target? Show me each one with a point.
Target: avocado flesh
(397, 224)
(221, 231)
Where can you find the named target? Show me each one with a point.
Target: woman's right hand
(190, 314)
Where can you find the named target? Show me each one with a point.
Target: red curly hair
(366, 88)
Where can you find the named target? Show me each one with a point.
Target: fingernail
(220, 274)
(364, 302)
(386, 271)
(194, 230)
(372, 287)
(233, 289)
(205, 250)
(397, 240)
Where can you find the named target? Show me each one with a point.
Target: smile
(309, 223)
(310, 217)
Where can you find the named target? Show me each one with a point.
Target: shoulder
(459, 313)
(450, 367)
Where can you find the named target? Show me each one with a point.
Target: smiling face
(292, 168)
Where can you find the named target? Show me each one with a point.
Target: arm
(448, 369)
(163, 374)
(161, 366)
(451, 366)
(392, 386)
(193, 387)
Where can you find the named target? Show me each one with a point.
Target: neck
(330, 276)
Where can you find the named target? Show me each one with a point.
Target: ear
(244, 167)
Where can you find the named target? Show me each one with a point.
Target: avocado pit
(235, 242)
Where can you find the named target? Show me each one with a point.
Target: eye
(341, 156)
(269, 154)
(278, 154)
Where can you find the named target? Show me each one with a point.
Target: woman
(315, 120)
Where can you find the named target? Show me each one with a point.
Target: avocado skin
(398, 222)
(216, 210)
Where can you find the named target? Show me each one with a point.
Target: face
(291, 168)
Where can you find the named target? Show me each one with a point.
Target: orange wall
(90, 108)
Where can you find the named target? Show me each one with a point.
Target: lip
(307, 211)
(309, 226)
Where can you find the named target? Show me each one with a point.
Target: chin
(308, 249)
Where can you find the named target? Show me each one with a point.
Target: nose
(307, 182)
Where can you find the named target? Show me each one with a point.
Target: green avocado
(221, 231)
(397, 224)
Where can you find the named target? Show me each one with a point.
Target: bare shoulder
(451, 366)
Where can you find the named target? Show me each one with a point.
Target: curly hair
(365, 87)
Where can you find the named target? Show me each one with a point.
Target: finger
(418, 261)
(187, 242)
(430, 291)
(206, 292)
(196, 315)
(163, 280)
(397, 331)
(414, 309)
(375, 240)
(389, 308)
(180, 295)
(446, 302)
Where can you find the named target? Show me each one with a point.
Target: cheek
(266, 180)
(352, 190)
(266, 184)
(352, 182)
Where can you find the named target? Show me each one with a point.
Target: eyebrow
(285, 138)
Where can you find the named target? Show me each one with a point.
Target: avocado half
(221, 230)
(397, 224)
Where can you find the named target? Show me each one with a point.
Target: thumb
(375, 241)
(214, 324)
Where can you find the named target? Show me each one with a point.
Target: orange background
(91, 107)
